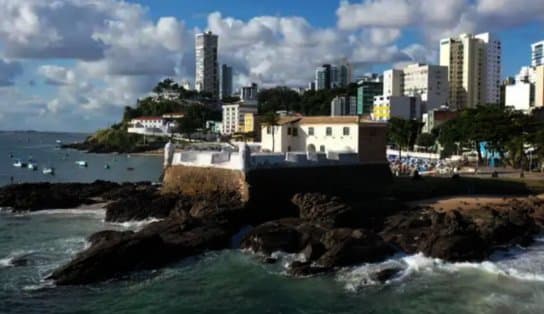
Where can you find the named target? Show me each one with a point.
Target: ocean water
(232, 281)
(42, 148)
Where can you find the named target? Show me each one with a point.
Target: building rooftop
(324, 120)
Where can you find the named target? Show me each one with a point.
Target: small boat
(48, 170)
(19, 164)
(32, 166)
(58, 142)
(81, 163)
(10, 155)
(107, 166)
(130, 169)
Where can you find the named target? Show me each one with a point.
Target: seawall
(273, 188)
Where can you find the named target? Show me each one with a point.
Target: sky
(73, 65)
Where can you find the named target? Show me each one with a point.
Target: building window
(268, 130)
(294, 132)
(288, 131)
(328, 131)
(288, 148)
(346, 130)
(311, 131)
(322, 148)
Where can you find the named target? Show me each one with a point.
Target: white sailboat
(81, 163)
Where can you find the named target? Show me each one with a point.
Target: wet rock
(108, 236)
(324, 210)
(349, 247)
(40, 196)
(281, 235)
(141, 205)
(155, 246)
(385, 274)
(305, 269)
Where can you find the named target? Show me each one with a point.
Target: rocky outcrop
(326, 231)
(39, 196)
(116, 253)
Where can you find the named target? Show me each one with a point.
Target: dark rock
(385, 274)
(305, 269)
(348, 247)
(323, 209)
(282, 235)
(108, 236)
(156, 245)
(39, 196)
(313, 251)
(142, 204)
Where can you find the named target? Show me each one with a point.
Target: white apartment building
(493, 67)
(404, 107)
(427, 82)
(537, 54)
(520, 96)
(150, 126)
(233, 117)
(207, 69)
(474, 64)
(346, 134)
(392, 83)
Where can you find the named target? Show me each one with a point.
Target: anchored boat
(81, 163)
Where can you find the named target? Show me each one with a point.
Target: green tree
(271, 120)
(403, 133)
(426, 140)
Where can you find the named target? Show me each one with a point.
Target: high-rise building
(474, 64)
(392, 83)
(366, 91)
(345, 73)
(493, 67)
(539, 86)
(344, 106)
(537, 56)
(226, 81)
(429, 82)
(207, 69)
(248, 94)
(323, 77)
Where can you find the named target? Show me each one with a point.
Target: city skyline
(57, 77)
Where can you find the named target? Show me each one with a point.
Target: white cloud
(56, 75)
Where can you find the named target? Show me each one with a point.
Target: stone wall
(273, 188)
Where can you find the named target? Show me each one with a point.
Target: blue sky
(72, 65)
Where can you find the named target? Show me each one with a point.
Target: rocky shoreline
(327, 231)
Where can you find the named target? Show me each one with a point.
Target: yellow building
(249, 123)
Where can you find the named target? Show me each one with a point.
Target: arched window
(311, 148)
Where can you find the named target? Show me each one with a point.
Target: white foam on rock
(523, 264)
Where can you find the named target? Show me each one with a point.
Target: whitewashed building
(233, 117)
(364, 139)
(154, 126)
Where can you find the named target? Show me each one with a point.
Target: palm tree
(271, 120)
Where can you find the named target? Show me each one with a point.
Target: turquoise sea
(230, 281)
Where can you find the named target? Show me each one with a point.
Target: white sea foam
(135, 224)
(8, 260)
(99, 213)
(44, 284)
(516, 264)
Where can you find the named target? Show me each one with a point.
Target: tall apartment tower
(537, 55)
(493, 67)
(226, 81)
(323, 77)
(207, 69)
(474, 64)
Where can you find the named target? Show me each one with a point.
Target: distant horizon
(56, 76)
